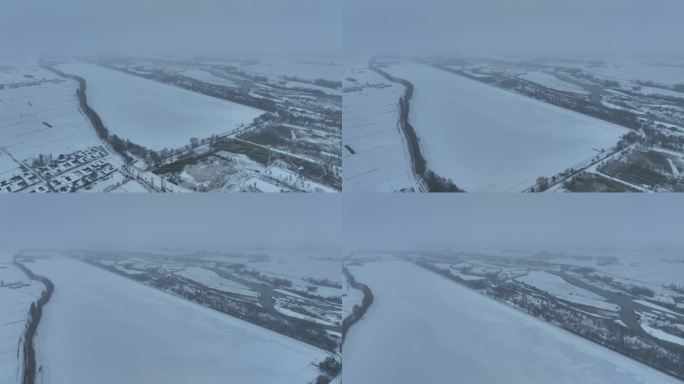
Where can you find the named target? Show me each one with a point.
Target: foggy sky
(143, 27)
(537, 221)
(532, 27)
(189, 221)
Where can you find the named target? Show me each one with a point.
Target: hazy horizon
(342, 27)
(173, 221)
(157, 27)
(514, 222)
(527, 27)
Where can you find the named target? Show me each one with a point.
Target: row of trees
(433, 182)
(35, 314)
(359, 310)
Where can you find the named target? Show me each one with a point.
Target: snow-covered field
(212, 280)
(558, 287)
(662, 335)
(441, 332)
(488, 139)
(625, 71)
(301, 68)
(301, 265)
(208, 77)
(153, 114)
(104, 328)
(17, 292)
(370, 127)
(633, 266)
(550, 81)
(660, 91)
(131, 186)
(42, 116)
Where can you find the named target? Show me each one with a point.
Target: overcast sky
(503, 221)
(170, 27)
(539, 27)
(189, 221)
(362, 27)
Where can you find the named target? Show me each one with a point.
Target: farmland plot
(489, 139)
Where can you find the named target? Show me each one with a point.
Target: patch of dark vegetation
(591, 182)
(648, 168)
(331, 368)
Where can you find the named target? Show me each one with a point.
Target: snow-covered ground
(662, 335)
(556, 286)
(17, 292)
(294, 265)
(381, 161)
(626, 70)
(632, 266)
(660, 91)
(42, 116)
(302, 68)
(131, 186)
(153, 114)
(208, 77)
(550, 81)
(104, 328)
(432, 330)
(488, 139)
(212, 280)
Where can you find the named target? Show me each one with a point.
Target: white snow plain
(100, 327)
(487, 139)
(423, 328)
(153, 114)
